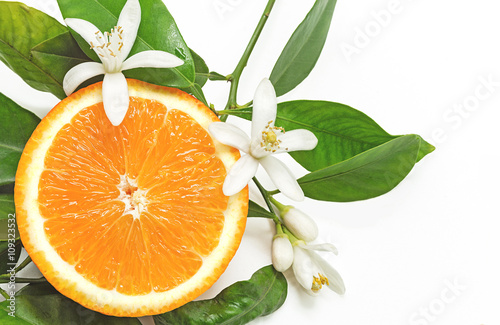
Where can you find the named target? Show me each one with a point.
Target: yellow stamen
(270, 141)
(319, 282)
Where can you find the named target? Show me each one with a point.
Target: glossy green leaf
(7, 210)
(342, 131)
(367, 175)
(157, 31)
(304, 48)
(5, 319)
(16, 126)
(8, 259)
(21, 29)
(7, 206)
(41, 304)
(58, 55)
(256, 211)
(425, 149)
(200, 68)
(215, 76)
(238, 304)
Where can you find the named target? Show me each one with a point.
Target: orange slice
(129, 220)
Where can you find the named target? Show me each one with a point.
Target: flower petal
(152, 59)
(79, 73)
(115, 97)
(302, 267)
(295, 140)
(282, 253)
(230, 135)
(129, 20)
(326, 247)
(265, 106)
(282, 177)
(85, 29)
(240, 174)
(335, 280)
(300, 224)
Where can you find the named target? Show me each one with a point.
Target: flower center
(133, 197)
(319, 282)
(108, 48)
(270, 141)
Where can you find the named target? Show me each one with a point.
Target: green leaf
(6, 205)
(21, 29)
(41, 304)
(367, 175)
(342, 131)
(157, 31)
(215, 76)
(58, 55)
(239, 303)
(303, 49)
(256, 211)
(7, 261)
(200, 68)
(16, 126)
(425, 149)
(7, 209)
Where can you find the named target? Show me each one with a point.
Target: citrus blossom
(112, 49)
(266, 140)
(312, 271)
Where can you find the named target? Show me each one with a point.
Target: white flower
(300, 224)
(266, 140)
(282, 253)
(312, 271)
(112, 49)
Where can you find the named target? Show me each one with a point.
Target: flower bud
(282, 253)
(300, 224)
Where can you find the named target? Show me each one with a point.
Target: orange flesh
(159, 203)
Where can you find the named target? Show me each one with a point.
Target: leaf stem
(24, 280)
(4, 293)
(265, 195)
(235, 76)
(17, 269)
(21, 266)
(291, 236)
(280, 206)
(234, 112)
(273, 192)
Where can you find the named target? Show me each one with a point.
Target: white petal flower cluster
(266, 140)
(310, 269)
(112, 49)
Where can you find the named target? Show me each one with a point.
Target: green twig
(18, 268)
(24, 280)
(291, 236)
(4, 293)
(23, 264)
(280, 206)
(235, 76)
(265, 195)
(234, 112)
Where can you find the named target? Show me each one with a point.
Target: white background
(427, 252)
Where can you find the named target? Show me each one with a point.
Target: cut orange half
(129, 220)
